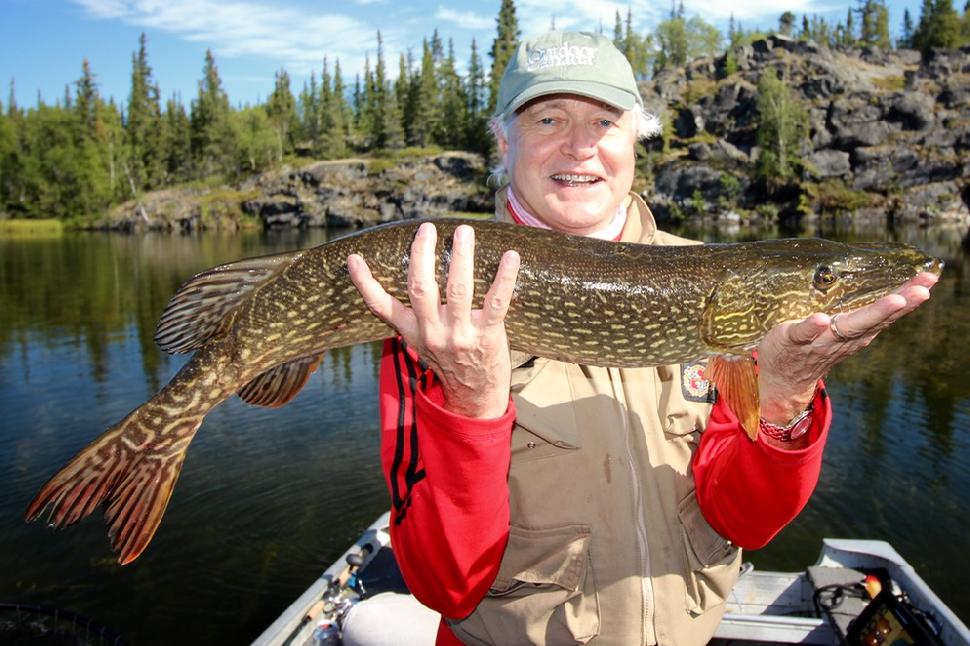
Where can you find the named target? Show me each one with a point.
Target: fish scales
(259, 328)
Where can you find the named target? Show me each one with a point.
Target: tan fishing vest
(607, 543)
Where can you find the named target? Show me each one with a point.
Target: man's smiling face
(570, 160)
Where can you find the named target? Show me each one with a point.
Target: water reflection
(267, 498)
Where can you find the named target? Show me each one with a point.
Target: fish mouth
(934, 266)
(575, 179)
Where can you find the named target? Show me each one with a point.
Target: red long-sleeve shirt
(448, 480)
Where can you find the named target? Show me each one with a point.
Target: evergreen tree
(309, 104)
(143, 125)
(503, 47)
(343, 118)
(939, 26)
(849, 33)
(211, 129)
(785, 23)
(476, 136)
(782, 130)
(906, 39)
(451, 126)
(178, 141)
(672, 41)
(281, 110)
(93, 192)
(426, 104)
(874, 23)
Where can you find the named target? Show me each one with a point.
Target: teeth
(575, 178)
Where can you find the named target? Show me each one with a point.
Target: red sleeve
(748, 491)
(448, 480)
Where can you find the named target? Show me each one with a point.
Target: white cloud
(588, 15)
(294, 38)
(464, 19)
(535, 16)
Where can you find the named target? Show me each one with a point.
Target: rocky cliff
(889, 133)
(349, 192)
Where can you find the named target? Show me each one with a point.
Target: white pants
(390, 619)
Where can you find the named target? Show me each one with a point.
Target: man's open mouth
(570, 179)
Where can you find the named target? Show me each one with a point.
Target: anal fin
(281, 383)
(737, 382)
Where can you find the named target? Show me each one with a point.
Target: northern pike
(260, 326)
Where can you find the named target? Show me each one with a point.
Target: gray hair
(647, 126)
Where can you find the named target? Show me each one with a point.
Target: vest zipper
(648, 635)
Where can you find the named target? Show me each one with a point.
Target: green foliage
(506, 40)
(680, 40)
(281, 110)
(211, 131)
(874, 23)
(834, 196)
(939, 26)
(782, 130)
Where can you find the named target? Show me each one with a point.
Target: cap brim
(608, 94)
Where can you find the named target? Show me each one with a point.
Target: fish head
(787, 280)
(834, 277)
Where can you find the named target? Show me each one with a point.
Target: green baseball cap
(568, 62)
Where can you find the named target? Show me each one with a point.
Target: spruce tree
(93, 191)
(281, 110)
(143, 125)
(178, 141)
(503, 47)
(785, 23)
(342, 115)
(309, 104)
(451, 126)
(211, 130)
(476, 135)
(906, 38)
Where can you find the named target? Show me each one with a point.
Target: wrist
(782, 410)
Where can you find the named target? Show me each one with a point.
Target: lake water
(268, 498)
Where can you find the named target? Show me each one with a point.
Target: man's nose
(578, 142)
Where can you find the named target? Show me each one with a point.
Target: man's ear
(503, 145)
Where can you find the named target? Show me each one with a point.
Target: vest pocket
(545, 588)
(712, 561)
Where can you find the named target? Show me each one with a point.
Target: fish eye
(824, 278)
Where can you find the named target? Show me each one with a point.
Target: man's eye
(547, 121)
(606, 123)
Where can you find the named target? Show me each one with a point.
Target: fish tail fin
(131, 470)
(737, 382)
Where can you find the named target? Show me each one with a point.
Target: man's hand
(466, 348)
(795, 355)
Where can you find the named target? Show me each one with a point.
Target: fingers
(461, 276)
(382, 304)
(873, 318)
(804, 332)
(499, 296)
(422, 283)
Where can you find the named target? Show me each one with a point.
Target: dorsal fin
(281, 383)
(199, 306)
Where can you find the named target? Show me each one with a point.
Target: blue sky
(42, 42)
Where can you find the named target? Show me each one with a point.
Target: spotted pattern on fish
(259, 327)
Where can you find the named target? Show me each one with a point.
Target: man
(542, 502)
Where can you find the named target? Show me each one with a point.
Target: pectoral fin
(281, 383)
(737, 383)
(730, 323)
